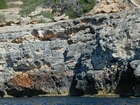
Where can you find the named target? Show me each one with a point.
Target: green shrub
(12, 0)
(72, 13)
(55, 1)
(3, 4)
(41, 21)
(74, 9)
(47, 14)
(87, 5)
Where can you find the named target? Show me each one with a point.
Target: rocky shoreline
(96, 55)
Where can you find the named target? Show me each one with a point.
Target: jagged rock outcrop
(90, 55)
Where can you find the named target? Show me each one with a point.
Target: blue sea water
(69, 101)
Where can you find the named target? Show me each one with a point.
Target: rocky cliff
(90, 55)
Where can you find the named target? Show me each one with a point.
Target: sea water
(69, 101)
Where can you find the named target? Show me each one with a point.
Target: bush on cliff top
(71, 8)
(29, 6)
(3, 4)
(74, 10)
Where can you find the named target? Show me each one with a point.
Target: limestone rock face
(110, 6)
(90, 55)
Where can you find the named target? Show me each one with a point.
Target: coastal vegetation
(3, 4)
(29, 6)
(73, 9)
(49, 15)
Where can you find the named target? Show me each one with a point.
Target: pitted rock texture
(110, 6)
(90, 55)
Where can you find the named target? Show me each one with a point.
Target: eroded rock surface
(89, 55)
(110, 6)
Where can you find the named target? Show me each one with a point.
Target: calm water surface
(69, 101)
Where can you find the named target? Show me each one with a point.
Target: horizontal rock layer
(90, 55)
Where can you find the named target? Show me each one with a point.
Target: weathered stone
(25, 20)
(40, 19)
(110, 6)
(12, 17)
(134, 64)
(62, 17)
(90, 55)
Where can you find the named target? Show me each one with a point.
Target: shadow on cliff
(125, 83)
(125, 87)
(74, 91)
(124, 78)
(24, 93)
(128, 81)
(80, 84)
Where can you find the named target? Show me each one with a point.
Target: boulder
(41, 19)
(25, 20)
(62, 17)
(12, 18)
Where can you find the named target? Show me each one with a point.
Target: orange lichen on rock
(23, 80)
